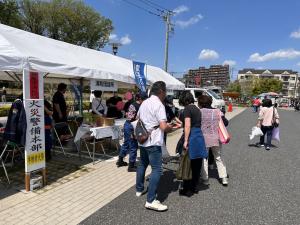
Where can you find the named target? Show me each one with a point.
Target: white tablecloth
(104, 132)
(115, 132)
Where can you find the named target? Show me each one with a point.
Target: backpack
(141, 133)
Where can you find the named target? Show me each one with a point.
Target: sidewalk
(72, 202)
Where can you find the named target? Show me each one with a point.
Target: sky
(261, 34)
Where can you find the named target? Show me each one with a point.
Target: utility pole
(296, 87)
(169, 28)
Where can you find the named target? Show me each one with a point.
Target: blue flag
(139, 74)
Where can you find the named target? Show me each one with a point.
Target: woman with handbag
(210, 124)
(268, 119)
(193, 143)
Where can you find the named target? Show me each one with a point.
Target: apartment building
(217, 75)
(289, 78)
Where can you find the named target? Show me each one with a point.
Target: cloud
(295, 34)
(186, 23)
(125, 40)
(180, 9)
(113, 37)
(231, 63)
(280, 54)
(208, 54)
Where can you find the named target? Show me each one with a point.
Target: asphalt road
(264, 186)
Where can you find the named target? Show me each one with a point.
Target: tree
(266, 85)
(81, 24)
(33, 16)
(234, 87)
(67, 20)
(9, 13)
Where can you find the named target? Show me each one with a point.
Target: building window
(285, 78)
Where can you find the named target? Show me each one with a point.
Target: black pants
(211, 158)
(266, 131)
(196, 165)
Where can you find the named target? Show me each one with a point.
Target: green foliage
(9, 13)
(76, 23)
(266, 85)
(33, 15)
(4, 110)
(234, 87)
(66, 20)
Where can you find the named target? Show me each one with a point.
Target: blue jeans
(255, 108)
(266, 131)
(149, 155)
(130, 144)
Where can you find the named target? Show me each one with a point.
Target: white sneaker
(156, 205)
(138, 194)
(225, 181)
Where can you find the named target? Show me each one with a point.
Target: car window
(213, 94)
(178, 93)
(199, 93)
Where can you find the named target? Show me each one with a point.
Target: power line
(165, 14)
(157, 5)
(140, 7)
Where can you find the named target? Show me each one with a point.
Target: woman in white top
(98, 105)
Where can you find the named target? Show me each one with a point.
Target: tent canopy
(20, 49)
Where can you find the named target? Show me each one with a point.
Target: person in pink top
(267, 116)
(209, 126)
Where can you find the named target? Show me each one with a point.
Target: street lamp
(115, 46)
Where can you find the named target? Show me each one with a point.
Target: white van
(218, 102)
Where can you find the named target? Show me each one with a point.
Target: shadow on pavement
(167, 185)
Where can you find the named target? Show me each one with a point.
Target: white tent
(20, 49)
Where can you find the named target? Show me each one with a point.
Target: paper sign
(35, 136)
(34, 109)
(34, 85)
(103, 85)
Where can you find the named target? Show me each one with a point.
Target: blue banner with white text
(139, 74)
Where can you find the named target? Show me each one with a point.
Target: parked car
(218, 101)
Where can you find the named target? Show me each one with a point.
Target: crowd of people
(200, 139)
(159, 117)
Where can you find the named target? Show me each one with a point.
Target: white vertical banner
(33, 91)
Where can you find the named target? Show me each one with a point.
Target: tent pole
(16, 75)
(11, 76)
(81, 97)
